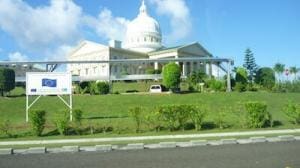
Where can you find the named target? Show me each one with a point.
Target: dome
(143, 33)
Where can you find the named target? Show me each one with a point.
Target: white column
(184, 68)
(192, 67)
(228, 77)
(156, 65)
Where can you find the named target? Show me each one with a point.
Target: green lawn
(112, 110)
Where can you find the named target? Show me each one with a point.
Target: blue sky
(41, 30)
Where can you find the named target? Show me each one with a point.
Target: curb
(258, 139)
(6, 151)
(36, 150)
(141, 146)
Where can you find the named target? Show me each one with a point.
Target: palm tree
(294, 70)
(279, 69)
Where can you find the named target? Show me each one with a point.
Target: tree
(7, 80)
(241, 75)
(266, 77)
(279, 69)
(241, 79)
(171, 75)
(294, 70)
(249, 64)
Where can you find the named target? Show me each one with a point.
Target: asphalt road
(264, 155)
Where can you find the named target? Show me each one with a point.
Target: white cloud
(50, 30)
(108, 26)
(60, 53)
(16, 56)
(179, 15)
(40, 26)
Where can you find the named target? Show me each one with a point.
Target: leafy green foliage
(176, 116)
(241, 75)
(195, 78)
(250, 65)
(265, 77)
(77, 116)
(292, 110)
(7, 80)
(197, 114)
(103, 87)
(168, 116)
(153, 120)
(77, 119)
(171, 75)
(240, 87)
(136, 114)
(279, 69)
(61, 122)
(216, 85)
(5, 128)
(257, 115)
(93, 88)
(287, 87)
(38, 120)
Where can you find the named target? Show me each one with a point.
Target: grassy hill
(100, 109)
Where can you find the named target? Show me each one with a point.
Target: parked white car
(155, 89)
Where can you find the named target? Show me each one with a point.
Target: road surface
(264, 155)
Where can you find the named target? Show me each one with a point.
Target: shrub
(154, 121)
(293, 112)
(93, 88)
(38, 120)
(265, 77)
(257, 115)
(240, 87)
(182, 114)
(194, 79)
(171, 76)
(241, 75)
(84, 87)
(5, 128)
(287, 87)
(197, 114)
(7, 80)
(136, 114)
(77, 117)
(168, 117)
(216, 85)
(62, 122)
(103, 87)
(174, 116)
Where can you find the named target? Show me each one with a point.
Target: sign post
(48, 83)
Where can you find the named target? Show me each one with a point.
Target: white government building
(143, 41)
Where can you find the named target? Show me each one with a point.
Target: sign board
(48, 83)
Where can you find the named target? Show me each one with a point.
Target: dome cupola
(143, 33)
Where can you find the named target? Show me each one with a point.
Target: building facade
(143, 41)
